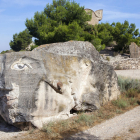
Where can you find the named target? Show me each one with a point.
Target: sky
(13, 14)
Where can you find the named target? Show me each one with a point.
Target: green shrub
(131, 93)
(101, 114)
(126, 84)
(97, 44)
(87, 119)
(7, 51)
(21, 41)
(3, 52)
(133, 101)
(118, 111)
(48, 127)
(120, 103)
(33, 47)
(130, 89)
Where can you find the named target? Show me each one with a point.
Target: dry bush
(108, 58)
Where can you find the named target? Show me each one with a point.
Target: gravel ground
(8, 131)
(117, 126)
(132, 134)
(129, 73)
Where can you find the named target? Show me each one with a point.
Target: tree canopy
(21, 40)
(60, 21)
(64, 20)
(124, 34)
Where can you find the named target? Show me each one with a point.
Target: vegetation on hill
(21, 40)
(7, 51)
(64, 20)
(124, 34)
(61, 21)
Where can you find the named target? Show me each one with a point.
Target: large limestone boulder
(50, 81)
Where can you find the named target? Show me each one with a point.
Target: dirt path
(132, 134)
(129, 73)
(119, 126)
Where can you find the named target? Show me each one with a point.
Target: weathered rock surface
(122, 62)
(96, 16)
(126, 64)
(51, 80)
(134, 50)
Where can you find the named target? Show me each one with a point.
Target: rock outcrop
(53, 79)
(134, 50)
(96, 16)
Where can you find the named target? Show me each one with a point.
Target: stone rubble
(122, 62)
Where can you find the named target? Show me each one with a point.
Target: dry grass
(108, 58)
(129, 99)
(65, 128)
(117, 138)
(131, 130)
